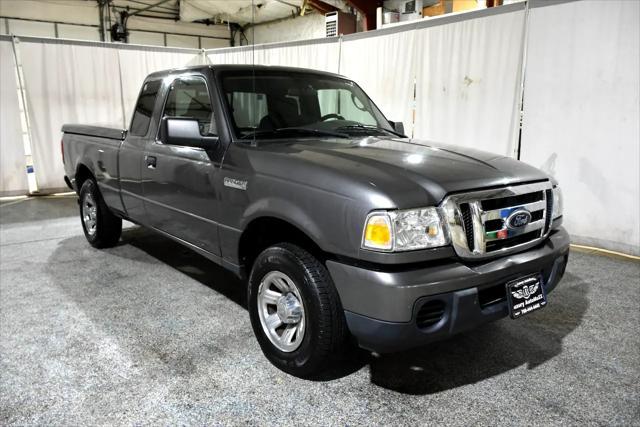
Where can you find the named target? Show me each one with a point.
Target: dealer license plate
(525, 295)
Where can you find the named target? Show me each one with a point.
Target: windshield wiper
(360, 126)
(295, 130)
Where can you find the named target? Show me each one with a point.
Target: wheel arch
(82, 174)
(264, 231)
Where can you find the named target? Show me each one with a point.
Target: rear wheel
(295, 310)
(101, 227)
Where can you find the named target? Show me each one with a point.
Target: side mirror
(185, 131)
(397, 126)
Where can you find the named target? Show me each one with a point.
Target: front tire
(101, 227)
(295, 310)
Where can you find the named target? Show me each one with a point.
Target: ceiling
(238, 11)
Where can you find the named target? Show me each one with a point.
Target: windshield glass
(277, 104)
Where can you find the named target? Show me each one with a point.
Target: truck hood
(402, 169)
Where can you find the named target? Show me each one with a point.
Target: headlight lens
(405, 230)
(557, 202)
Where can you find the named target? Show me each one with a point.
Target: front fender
(288, 211)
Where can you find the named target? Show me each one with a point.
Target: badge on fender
(235, 183)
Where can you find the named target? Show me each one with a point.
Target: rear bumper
(382, 308)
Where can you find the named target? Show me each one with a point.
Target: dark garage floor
(149, 332)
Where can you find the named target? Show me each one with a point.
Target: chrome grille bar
(536, 225)
(531, 207)
(490, 235)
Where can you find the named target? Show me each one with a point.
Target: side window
(144, 108)
(189, 97)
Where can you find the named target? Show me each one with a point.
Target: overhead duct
(238, 11)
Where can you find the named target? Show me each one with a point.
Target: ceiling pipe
(151, 6)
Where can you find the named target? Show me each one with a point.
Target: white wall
(70, 11)
(33, 29)
(143, 30)
(581, 115)
(310, 26)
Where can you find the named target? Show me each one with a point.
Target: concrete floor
(149, 332)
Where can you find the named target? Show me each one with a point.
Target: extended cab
(343, 227)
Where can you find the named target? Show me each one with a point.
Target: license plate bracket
(525, 295)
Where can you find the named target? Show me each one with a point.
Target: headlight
(557, 202)
(405, 230)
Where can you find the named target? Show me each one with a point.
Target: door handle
(151, 162)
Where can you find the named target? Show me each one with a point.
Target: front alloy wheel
(281, 311)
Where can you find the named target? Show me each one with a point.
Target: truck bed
(97, 131)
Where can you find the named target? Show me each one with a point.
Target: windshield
(275, 104)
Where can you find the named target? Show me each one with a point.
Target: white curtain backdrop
(240, 55)
(315, 55)
(467, 74)
(13, 177)
(67, 83)
(468, 82)
(70, 82)
(136, 64)
(385, 68)
(581, 115)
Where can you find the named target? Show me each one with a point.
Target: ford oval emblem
(518, 219)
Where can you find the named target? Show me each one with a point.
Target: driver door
(178, 181)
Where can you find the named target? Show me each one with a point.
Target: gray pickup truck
(344, 229)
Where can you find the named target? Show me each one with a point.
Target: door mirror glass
(398, 127)
(185, 132)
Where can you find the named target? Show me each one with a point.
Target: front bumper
(386, 310)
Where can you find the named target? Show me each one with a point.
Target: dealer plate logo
(526, 291)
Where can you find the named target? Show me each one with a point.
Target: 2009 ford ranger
(342, 226)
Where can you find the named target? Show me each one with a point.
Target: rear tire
(101, 227)
(291, 288)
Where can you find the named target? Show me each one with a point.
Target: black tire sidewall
(306, 358)
(89, 187)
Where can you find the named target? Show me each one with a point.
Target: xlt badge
(235, 183)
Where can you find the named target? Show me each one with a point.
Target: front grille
(430, 313)
(537, 215)
(547, 223)
(505, 202)
(493, 225)
(496, 245)
(468, 224)
(488, 223)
